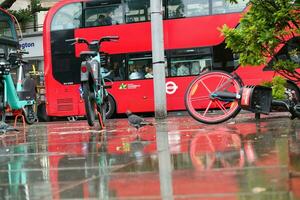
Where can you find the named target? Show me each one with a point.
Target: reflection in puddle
(173, 160)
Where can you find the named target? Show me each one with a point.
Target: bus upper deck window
(104, 15)
(223, 6)
(68, 17)
(187, 8)
(137, 10)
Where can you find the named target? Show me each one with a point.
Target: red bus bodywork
(138, 95)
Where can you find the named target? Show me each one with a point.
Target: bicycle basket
(256, 98)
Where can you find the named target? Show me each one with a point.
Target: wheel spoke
(220, 82)
(199, 98)
(221, 106)
(205, 86)
(207, 109)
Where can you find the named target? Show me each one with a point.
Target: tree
(24, 15)
(266, 26)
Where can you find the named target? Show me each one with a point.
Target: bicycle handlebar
(18, 52)
(82, 40)
(109, 38)
(77, 40)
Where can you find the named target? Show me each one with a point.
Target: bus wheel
(42, 114)
(111, 107)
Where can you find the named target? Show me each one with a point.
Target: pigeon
(6, 128)
(137, 121)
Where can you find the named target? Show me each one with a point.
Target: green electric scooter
(20, 97)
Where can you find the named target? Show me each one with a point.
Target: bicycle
(21, 97)
(217, 96)
(92, 75)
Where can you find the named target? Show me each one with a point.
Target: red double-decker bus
(192, 41)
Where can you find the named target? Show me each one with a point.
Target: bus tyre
(30, 116)
(89, 103)
(42, 114)
(111, 107)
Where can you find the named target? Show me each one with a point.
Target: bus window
(223, 58)
(223, 6)
(291, 51)
(190, 61)
(137, 65)
(104, 15)
(117, 67)
(68, 17)
(187, 8)
(137, 10)
(6, 30)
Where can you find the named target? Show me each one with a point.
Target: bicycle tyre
(89, 103)
(203, 85)
(102, 106)
(29, 114)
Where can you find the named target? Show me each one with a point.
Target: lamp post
(158, 59)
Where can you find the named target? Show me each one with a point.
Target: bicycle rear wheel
(202, 107)
(30, 116)
(89, 103)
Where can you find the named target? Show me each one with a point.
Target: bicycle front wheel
(89, 103)
(202, 107)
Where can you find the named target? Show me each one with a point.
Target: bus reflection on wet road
(242, 160)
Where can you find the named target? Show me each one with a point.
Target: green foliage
(22, 15)
(286, 65)
(27, 14)
(278, 85)
(262, 29)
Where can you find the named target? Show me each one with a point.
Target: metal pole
(164, 161)
(158, 59)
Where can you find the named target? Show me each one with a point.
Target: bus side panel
(178, 33)
(138, 96)
(254, 75)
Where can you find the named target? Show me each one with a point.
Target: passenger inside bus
(117, 72)
(195, 69)
(103, 20)
(183, 70)
(135, 73)
(149, 72)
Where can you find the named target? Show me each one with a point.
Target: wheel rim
(206, 109)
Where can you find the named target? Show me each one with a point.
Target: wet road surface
(177, 158)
